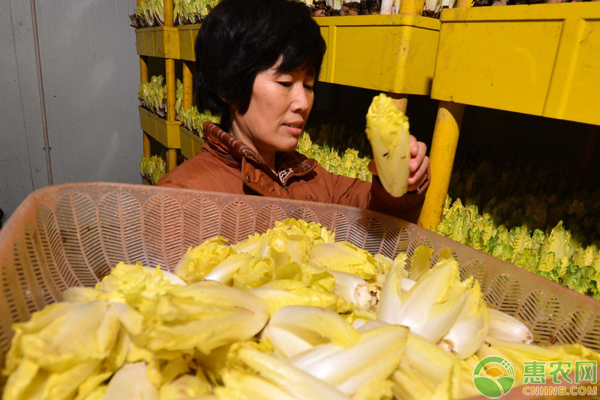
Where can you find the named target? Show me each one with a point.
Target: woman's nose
(301, 99)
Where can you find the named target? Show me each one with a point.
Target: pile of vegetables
(326, 8)
(186, 12)
(555, 254)
(347, 164)
(339, 146)
(190, 117)
(192, 11)
(152, 169)
(290, 314)
(153, 95)
(478, 3)
(540, 195)
(542, 220)
(148, 13)
(339, 134)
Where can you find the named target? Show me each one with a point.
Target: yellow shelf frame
(164, 131)
(187, 41)
(541, 59)
(158, 41)
(190, 142)
(161, 42)
(537, 59)
(389, 53)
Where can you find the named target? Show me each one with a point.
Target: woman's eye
(286, 84)
(309, 88)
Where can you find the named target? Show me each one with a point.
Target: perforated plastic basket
(72, 235)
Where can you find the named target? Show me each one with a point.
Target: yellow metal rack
(540, 59)
(164, 131)
(161, 42)
(390, 53)
(190, 142)
(187, 40)
(536, 59)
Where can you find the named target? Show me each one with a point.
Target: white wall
(91, 75)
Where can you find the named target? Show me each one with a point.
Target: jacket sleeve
(372, 196)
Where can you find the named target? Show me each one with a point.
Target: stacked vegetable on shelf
(339, 146)
(327, 8)
(526, 222)
(289, 314)
(153, 97)
(347, 164)
(189, 12)
(150, 13)
(480, 3)
(152, 169)
(190, 117)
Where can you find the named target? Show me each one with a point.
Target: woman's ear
(233, 109)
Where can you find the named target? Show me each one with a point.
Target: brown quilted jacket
(225, 164)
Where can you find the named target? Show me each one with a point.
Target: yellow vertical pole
(171, 89)
(147, 146)
(412, 7)
(144, 78)
(171, 159)
(400, 100)
(171, 94)
(168, 13)
(171, 86)
(443, 150)
(188, 85)
(144, 69)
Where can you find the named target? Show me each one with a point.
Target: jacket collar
(232, 151)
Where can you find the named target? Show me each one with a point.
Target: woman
(258, 61)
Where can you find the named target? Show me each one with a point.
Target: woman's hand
(418, 165)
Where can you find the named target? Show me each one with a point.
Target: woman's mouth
(295, 128)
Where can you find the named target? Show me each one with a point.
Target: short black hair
(240, 38)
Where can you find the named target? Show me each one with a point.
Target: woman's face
(278, 110)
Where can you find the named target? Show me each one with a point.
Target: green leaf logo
(488, 387)
(494, 377)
